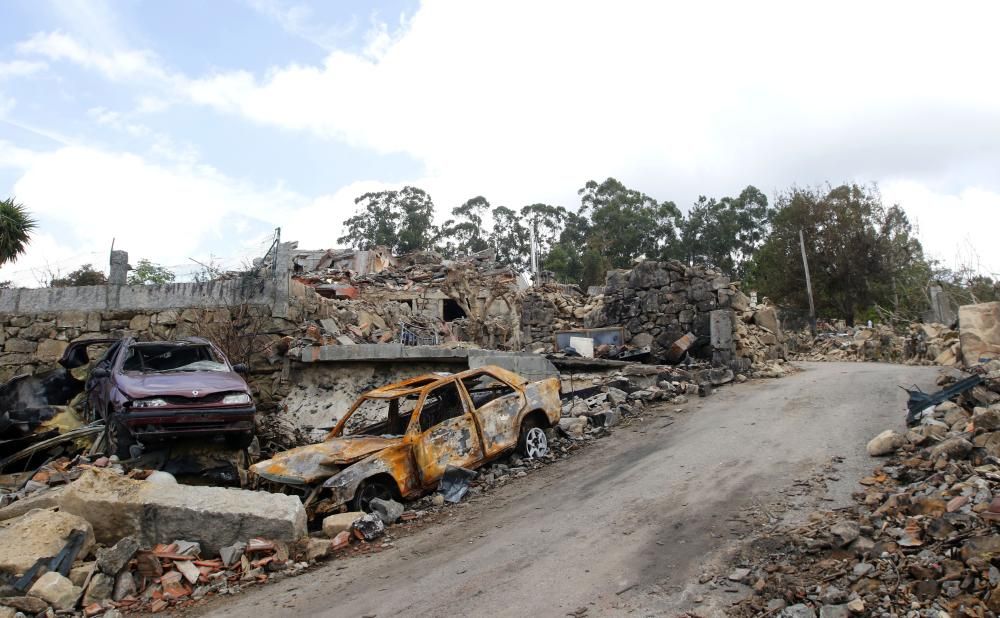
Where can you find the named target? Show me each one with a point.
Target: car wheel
(368, 490)
(533, 443)
(239, 440)
(119, 438)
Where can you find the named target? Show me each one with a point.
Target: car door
(99, 389)
(496, 405)
(446, 433)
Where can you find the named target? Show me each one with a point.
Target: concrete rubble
(921, 537)
(974, 339)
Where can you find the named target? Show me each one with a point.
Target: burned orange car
(397, 440)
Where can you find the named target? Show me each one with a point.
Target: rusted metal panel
(417, 459)
(454, 442)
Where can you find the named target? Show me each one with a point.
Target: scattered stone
(388, 510)
(39, 533)
(739, 575)
(101, 587)
(846, 532)
(368, 527)
(113, 559)
(231, 553)
(798, 610)
(28, 605)
(885, 443)
(952, 448)
(55, 590)
(834, 611)
(124, 586)
(338, 522)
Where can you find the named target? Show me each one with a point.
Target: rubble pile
(484, 294)
(757, 334)
(86, 536)
(658, 303)
(933, 343)
(551, 307)
(355, 322)
(922, 344)
(878, 344)
(922, 539)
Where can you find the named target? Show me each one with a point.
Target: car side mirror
(99, 372)
(241, 368)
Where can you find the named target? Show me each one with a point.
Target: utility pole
(534, 257)
(809, 287)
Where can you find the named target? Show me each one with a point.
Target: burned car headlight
(149, 403)
(235, 399)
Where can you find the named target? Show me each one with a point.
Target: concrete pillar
(721, 334)
(119, 267)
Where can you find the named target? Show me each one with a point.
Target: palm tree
(15, 227)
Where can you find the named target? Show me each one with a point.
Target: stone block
(37, 534)
(21, 346)
(50, 350)
(71, 319)
(55, 590)
(139, 323)
(159, 513)
(979, 332)
(167, 318)
(339, 522)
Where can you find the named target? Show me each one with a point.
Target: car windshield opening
(377, 417)
(164, 357)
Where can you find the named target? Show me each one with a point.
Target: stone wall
(659, 302)
(549, 308)
(137, 297)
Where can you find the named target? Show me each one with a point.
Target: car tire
(239, 440)
(532, 442)
(119, 438)
(367, 490)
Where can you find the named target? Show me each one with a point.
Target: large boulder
(39, 533)
(159, 513)
(979, 331)
(768, 318)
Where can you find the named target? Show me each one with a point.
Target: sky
(188, 131)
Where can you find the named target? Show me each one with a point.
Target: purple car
(159, 390)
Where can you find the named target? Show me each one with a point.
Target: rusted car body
(159, 390)
(397, 440)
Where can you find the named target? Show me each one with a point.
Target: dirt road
(629, 525)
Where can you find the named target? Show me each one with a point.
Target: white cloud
(533, 100)
(13, 157)
(956, 229)
(525, 101)
(165, 213)
(117, 65)
(300, 20)
(20, 68)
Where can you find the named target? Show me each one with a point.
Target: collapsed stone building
(325, 325)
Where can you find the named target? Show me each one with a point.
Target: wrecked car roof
(430, 380)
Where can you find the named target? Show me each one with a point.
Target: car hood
(313, 463)
(179, 383)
